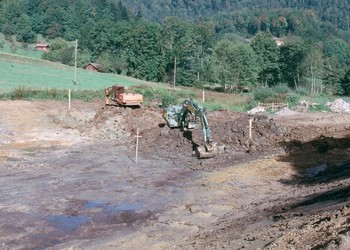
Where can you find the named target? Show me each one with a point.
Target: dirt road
(69, 180)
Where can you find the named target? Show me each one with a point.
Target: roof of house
(42, 45)
(95, 65)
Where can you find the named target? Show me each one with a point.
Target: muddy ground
(69, 180)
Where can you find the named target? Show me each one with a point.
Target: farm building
(42, 47)
(93, 67)
(278, 41)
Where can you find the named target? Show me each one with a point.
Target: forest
(227, 43)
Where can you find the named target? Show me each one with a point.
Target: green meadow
(26, 72)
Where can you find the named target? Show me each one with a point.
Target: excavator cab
(190, 115)
(119, 96)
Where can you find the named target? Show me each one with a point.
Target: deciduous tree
(268, 57)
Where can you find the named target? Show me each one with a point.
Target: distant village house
(278, 41)
(42, 47)
(93, 67)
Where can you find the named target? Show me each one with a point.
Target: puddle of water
(316, 170)
(94, 204)
(67, 223)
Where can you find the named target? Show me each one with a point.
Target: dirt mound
(270, 134)
(229, 131)
(119, 124)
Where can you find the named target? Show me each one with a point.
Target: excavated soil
(69, 180)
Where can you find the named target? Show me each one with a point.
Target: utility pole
(174, 72)
(75, 60)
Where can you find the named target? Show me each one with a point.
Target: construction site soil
(70, 180)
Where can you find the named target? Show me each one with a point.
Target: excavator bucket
(205, 152)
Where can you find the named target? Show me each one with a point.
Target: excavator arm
(189, 116)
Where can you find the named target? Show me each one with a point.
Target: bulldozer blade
(203, 153)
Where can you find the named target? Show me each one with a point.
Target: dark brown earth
(69, 180)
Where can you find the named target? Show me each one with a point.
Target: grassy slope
(17, 48)
(16, 71)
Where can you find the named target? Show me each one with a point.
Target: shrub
(293, 99)
(263, 94)
(18, 93)
(250, 105)
(148, 93)
(281, 89)
(302, 91)
(169, 100)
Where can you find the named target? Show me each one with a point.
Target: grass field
(20, 71)
(18, 49)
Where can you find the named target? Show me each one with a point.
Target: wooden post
(137, 144)
(250, 128)
(203, 97)
(69, 99)
(75, 60)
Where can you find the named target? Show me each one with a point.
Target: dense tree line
(335, 12)
(235, 48)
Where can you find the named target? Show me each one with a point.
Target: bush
(293, 99)
(18, 93)
(250, 105)
(169, 100)
(148, 94)
(302, 91)
(60, 52)
(281, 89)
(263, 94)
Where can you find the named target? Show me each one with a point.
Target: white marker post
(137, 144)
(203, 96)
(69, 99)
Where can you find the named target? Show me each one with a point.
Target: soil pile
(119, 124)
(229, 131)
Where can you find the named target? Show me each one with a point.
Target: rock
(256, 110)
(339, 106)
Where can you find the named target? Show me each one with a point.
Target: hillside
(334, 12)
(196, 43)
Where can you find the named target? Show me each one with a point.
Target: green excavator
(188, 116)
